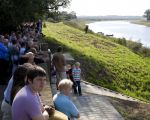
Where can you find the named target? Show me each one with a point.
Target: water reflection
(124, 29)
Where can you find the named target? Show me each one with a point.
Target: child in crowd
(76, 73)
(69, 74)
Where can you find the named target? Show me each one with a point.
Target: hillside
(104, 62)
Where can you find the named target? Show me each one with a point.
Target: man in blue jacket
(4, 61)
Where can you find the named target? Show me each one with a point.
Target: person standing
(76, 72)
(27, 104)
(86, 28)
(59, 63)
(16, 82)
(4, 61)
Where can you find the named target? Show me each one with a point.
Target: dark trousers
(77, 87)
(4, 65)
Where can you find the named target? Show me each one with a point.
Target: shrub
(145, 51)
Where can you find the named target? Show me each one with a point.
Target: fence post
(49, 53)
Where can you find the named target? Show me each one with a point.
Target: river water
(123, 29)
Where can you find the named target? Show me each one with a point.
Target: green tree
(68, 16)
(15, 12)
(60, 16)
(147, 14)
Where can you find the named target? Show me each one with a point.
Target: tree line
(147, 14)
(16, 12)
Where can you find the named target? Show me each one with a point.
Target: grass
(142, 22)
(80, 24)
(131, 110)
(103, 62)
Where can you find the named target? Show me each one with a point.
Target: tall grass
(103, 61)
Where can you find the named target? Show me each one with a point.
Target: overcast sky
(109, 7)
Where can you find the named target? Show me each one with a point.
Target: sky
(109, 7)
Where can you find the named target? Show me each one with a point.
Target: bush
(44, 25)
(136, 47)
(122, 41)
(50, 20)
(145, 51)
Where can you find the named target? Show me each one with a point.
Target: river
(123, 29)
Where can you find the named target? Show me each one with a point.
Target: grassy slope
(104, 62)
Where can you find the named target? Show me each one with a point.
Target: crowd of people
(19, 60)
(17, 48)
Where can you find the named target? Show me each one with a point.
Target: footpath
(93, 105)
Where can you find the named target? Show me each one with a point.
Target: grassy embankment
(104, 62)
(131, 110)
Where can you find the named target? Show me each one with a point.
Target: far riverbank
(142, 22)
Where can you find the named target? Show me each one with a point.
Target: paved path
(94, 89)
(93, 106)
